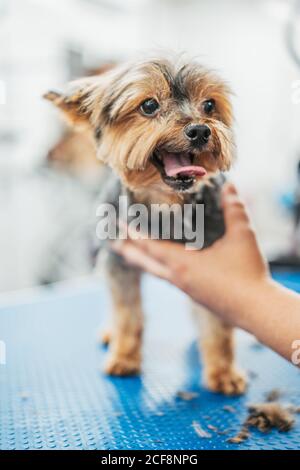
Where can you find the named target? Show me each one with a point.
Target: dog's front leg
(220, 373)
(127, 318)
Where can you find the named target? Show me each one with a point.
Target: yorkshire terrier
(164, 126)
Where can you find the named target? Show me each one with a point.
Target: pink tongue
(176, 164)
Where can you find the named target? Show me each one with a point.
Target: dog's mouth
(178, 169)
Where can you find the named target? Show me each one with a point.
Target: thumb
(235, 214)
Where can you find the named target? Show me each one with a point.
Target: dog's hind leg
(127, 318)
(216, 345)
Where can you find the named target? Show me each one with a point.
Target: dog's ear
(83, 100)
(75, 101)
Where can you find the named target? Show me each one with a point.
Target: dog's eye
(149, 107)
(209, 106)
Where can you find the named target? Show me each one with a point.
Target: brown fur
(111, 101)
(265, 417)
(217, 347)
(127, 320)
(75, 153)
(109, 104)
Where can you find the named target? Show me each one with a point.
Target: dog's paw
(122, 366)
(229, 382)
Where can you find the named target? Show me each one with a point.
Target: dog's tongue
(180, 164)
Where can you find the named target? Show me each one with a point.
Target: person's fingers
(229, 189)
(137, 257)
(164, 251)
(142, 241)
(235, 214)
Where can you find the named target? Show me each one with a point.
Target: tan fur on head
(126, 139)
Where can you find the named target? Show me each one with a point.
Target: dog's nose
(197, 134)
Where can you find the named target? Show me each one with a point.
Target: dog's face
(156, 123)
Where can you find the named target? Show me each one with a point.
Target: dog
(164, 127)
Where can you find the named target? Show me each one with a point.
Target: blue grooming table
(53, 394)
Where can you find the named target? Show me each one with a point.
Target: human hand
(217, 277)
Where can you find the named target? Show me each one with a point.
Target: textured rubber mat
(53, 394)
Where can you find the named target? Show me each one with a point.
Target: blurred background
(47, 190)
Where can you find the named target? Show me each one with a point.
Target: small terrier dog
(165, 128)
